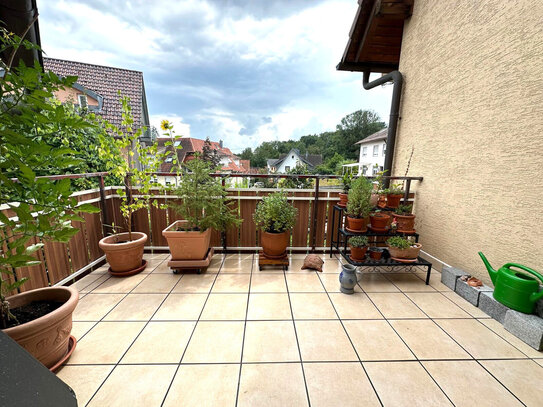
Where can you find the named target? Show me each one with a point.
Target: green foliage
(43, 208)
(399, 242)
(210, 155)
(358, 241)
(379, 177)
(300, 183)
(404, 209)
(358, 205)
(395, 189)
(355, 127)
(203, 199)
(274, 214)
(347, 180)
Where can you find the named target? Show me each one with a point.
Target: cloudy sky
(244, 71)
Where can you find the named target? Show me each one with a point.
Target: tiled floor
(238, 336)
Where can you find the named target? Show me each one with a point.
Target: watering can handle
(527, 269)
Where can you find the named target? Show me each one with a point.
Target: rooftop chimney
(220, 143)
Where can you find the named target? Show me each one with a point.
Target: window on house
(375, 170)
(169, 159)
(83, 101)
(364, 151)
(293, 157)
(176, 143)
(375, 150)
(287, 168)
(364, 170)
(384, 149)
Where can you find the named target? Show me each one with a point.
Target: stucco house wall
(472, 107)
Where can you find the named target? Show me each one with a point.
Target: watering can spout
(493, 273)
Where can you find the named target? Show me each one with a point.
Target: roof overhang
(375, 38)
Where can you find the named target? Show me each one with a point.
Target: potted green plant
(275, 216)
(379, 198)
(346, 181)
(359, 246)
(124, 251)
(379, 221)
(358, 205)
(394, 195)
(403, 248)
(39, 209)
(203, 206)
(405, 219)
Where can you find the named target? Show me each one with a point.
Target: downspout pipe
(397, 78)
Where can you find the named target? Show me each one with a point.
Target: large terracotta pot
(406, 223)
(356, 224)
(343, 199)
(185, 245)
(379, 220)
(358, 253)
(393, 200)
(127, 256)
(274, 244)
(409, 253)
(46, 338)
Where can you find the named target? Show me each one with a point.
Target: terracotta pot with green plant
(358, 207)
(379, 221)
(38, 209)
(202, 205)
(275, 216)
(405, 220)
(344, 196)
(394, 195)
(359, 247)
(403, 248)
(124, 251)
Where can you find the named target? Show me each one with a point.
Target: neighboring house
(372, 153)
(97, 89)
(287, 162)
(472, 107)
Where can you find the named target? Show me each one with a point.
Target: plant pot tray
(72, 342)
(266, 261)
(129, 272)
(177, 265)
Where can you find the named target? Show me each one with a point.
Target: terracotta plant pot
(274, 244)
(375, 253)
(409, 253)
(359, 253)
(46, 338)
(381, 201)
(127, 256)
(393, 200)
(356, 224)
(406, 223)
(186, 245)
(379, 220)
(343, 199)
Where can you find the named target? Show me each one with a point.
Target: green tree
(355, 127)
(209, 154)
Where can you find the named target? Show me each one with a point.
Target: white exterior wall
(369, 160)
(289, 162)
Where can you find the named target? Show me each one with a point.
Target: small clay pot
(406, 223)
(343, 199)
(393, 200)
(274, 244)
(358, 253)
(409, 253)
(356, 224)
(124, 255)
(375, 253)
(379, 220)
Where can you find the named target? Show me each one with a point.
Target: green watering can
(514, 289)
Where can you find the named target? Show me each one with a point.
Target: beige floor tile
(331, 283)
(268, 283)
(93, 307)
(96, 283)
(120, 284)
(160, 342)
(498, 328)
(457, 378)
(269, 385)
(215, 342)
(331, 265)
(437, 305)
(101, 270)
(478, 340)
(162, 268)
(408, 282)
(232, 283)
(81, 328)
(86, 281)
(225, 307)
(215, 264)
(395, 305)
(135, 385)
(322, 341)
(84, 380)
(237, 266)
(195, 283)
(136, 307)
(522, 377)
(269, 307)
(158, 283)
(181, 307)
(354, 306)
(338, 384)
(152, 264)
(427, 340)
(270, 341)
(295, 266)
(435, 281)
(239, 256)
(405, 384)
(155, 256)
(539, 361)
(376, 283)
(204, 385)
(376, 340)
(312, 306)
(304, 283)
(105, 343)
(466, 306)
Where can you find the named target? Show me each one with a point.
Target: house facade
(294, 158)
(372, 153)
(471, 106)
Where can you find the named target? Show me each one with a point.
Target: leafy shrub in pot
(405, 219)
(394, 195)
(379, 220)
(344, 197)
(358, 206)
(403, 248)
(359, 246)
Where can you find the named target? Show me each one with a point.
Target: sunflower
(165, 125)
